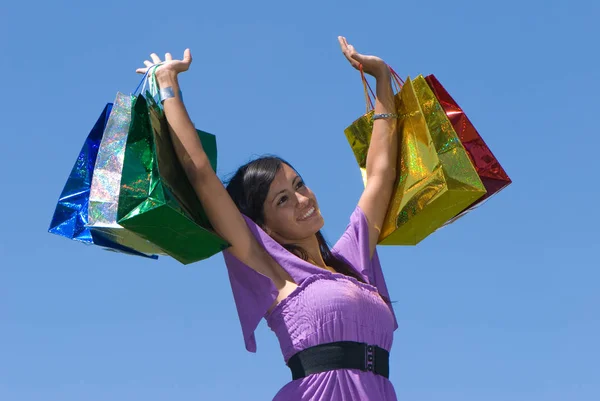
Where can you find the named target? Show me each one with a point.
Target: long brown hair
(249, 187)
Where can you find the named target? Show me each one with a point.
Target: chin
(321, 221)
(318, 223)
(308, 228)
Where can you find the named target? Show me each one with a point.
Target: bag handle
(367, 88)
(370, 95)
(140, 84)
(149, 79)
(396, 80)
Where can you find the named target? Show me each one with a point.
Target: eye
(300, 184)
(282, 200)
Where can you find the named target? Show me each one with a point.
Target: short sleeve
(353, 247)
(253, 293)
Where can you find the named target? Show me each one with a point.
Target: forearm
(183, 133)
(383, 148)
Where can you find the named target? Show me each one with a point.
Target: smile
(308, 214)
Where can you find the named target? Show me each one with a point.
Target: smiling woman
(272, 194)
(329, 308)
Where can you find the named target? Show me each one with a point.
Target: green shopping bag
(156, 200)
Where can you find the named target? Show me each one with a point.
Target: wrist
(166, 78)
(382, 72)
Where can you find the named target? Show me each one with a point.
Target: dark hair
(249, 187)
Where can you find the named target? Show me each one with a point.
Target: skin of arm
(223, 214)
(383, 148)
(381, 160)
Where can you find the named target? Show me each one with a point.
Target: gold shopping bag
(436, 179)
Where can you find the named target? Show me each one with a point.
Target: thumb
(187, 56)
(357, 57)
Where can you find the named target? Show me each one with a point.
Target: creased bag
(71, 213)
(156, 200)
(490, 171)
(106, 181)
(464, 184)
(428, 193)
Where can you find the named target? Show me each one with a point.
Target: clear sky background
(503, 305)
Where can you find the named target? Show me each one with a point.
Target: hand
(371, 65)
(169, 66)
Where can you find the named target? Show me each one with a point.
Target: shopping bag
(156, 199)
(71, 212)
(490, 171)
(464, 183)
(106, 181)
(425, 195)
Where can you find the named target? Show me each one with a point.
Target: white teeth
(308, 214)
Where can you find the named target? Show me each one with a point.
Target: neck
(311, 247)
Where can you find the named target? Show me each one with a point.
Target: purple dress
(326, 307)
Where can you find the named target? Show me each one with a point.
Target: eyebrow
(283, 190)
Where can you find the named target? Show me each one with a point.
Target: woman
(329, 308)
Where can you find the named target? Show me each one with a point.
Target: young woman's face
(291, 209)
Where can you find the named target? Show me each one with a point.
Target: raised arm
(383, 149)
(220, 209)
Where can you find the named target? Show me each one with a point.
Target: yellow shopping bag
(436, 179)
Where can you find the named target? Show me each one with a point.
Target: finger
(155, 58)
(168, 57)
(352, 50)
(351, 60)
(187, 56)
(148, 63)
(141, 70)
(354, 54)
(348, 53)
(348, 45)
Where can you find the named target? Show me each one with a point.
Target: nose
(302, 200)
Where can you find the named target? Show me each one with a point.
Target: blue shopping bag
(71, 213)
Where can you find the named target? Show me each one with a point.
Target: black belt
(340, 355)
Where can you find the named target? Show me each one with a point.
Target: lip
(314, 214)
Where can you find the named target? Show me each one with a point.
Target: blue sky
(503, 305)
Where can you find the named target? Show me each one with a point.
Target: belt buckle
(370, 358)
